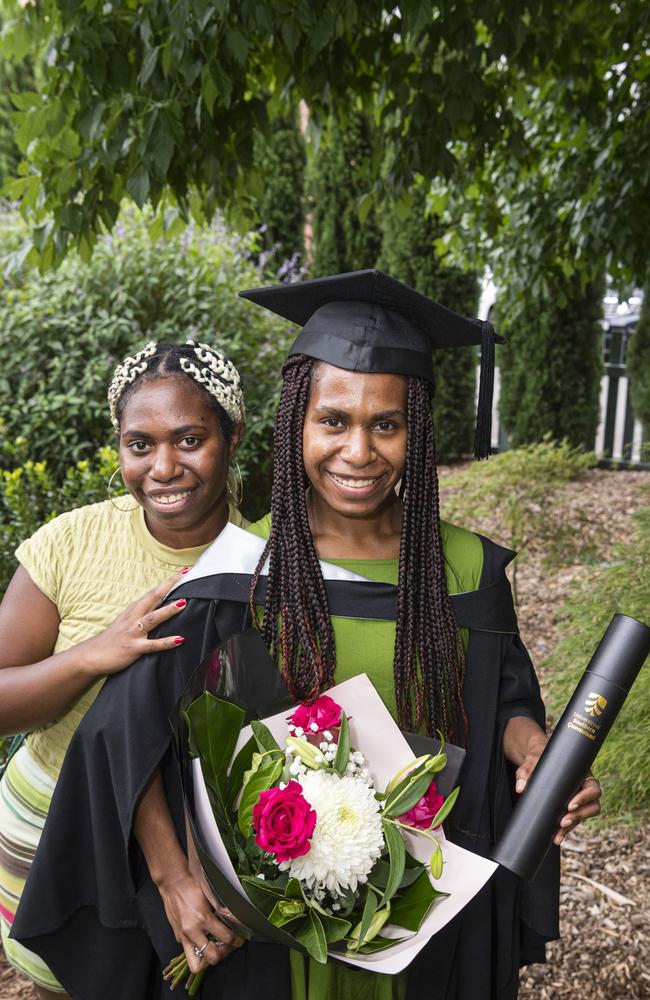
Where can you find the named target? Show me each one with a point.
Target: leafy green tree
(62, 333)
(281, 160)
(564, 188)
(552, 364)
(638, 365)
(408, 253)
(336, 182)
(159, 101)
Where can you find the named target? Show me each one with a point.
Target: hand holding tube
(564, 764)
(584, 804)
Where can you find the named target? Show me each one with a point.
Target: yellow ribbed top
(92, 562)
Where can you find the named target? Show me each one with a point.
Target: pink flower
(323, 713)
(421, 814)
(284, 822)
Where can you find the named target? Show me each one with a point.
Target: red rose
(323, 713)
(284, 822)
(423, 811)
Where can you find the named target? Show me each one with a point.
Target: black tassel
(483, 435)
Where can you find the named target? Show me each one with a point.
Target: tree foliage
(13, 79)
(343, 241)
(163, 99)
(552, 364)
(281, 158)
(565, 186)
(62, 333)
(408, 253)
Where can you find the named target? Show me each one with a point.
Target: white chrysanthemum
(347, 838)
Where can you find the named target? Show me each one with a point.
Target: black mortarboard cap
(367, 321)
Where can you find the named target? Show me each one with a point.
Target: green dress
(366, 646)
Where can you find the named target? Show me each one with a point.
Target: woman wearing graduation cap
(354, 500)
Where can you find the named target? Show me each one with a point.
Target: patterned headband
(211, 370)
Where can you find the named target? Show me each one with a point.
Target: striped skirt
(25, 795)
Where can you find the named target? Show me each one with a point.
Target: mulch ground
(604, 952)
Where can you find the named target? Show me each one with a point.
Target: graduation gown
(89, 907)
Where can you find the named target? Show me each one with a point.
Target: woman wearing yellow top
(74, 611)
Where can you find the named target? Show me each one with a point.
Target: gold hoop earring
(235, 484)
(109, 489)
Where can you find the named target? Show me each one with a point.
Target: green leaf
(161, 147)
(407, 794)
(138, 185)
(148, 66)
(397, 858)
(343, 748)
(16, 39)
(260, 782)
(25, 100)
(264, 736)
(213, 728)
(364, 205)
(335, 928)
(291, 33)
(257, 759)
(312, 937)
(445, 808)
(378, 943)
(238, 44)
(410, 909)
(178, 18)
(239, 766)
(369, 910)
(209, 89)
(263, 895)
(381, 873)
(166, 58)
(293, 890)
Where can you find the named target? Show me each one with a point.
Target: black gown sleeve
(88, 878)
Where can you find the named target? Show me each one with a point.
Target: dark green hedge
(282, 162)
(552, 365)
(335, 182)
(408, 254)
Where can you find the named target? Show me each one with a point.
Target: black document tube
(571, 750)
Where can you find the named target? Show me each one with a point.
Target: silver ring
(199, 951)
(140, 625)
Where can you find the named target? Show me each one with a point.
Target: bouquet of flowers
(308, 820)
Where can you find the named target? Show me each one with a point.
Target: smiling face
(354, 440)
(174, 460)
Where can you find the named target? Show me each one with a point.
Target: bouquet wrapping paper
(373, 732)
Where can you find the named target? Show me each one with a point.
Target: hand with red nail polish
(127, 638)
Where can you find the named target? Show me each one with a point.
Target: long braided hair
(296, 625)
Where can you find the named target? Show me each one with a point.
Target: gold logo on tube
(595, 704)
